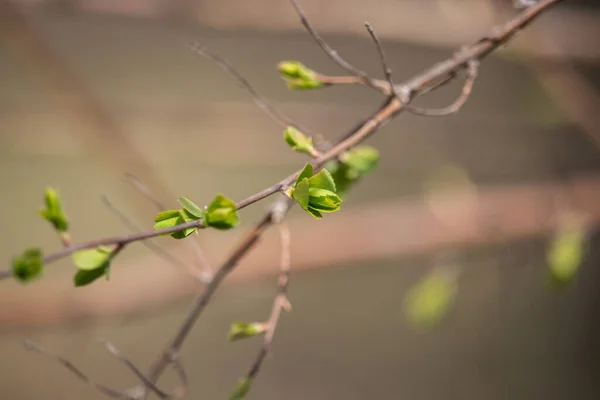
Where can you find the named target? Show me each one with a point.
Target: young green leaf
(53, 212)
(323, 200)
(322, 180)
(90, 259)
(28, 266)
(306, 172)
(298, 141)
(195, 211)
(167, 219)
(171, 218)
(427, 302)
(300, 193)
(565, 256)
(243, 330)
(241, 389)
(298, 76)
(221, 213)
(84, 277)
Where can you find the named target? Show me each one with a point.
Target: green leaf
(167, 219)
(322, 180)
(53, 212)
(243, 330)
(324, 200)
(306, 173)
(429, 300)
(314, 213)
(241, 389)
(90, 259)
(171, 218)
(298, 141)
(84, 277)
(565, 256)
(298, 76)
(362, 159)
(28, 266)
(300, 193)
(221, 213)
(195, 211)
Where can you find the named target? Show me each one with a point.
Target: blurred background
(94, 89)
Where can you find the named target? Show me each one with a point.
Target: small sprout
(191, 208)
(298, 141)
(171, 218)
(242, 388)
(298, 76)
(565, 256)
(315, 193)
(28, 266)
(429, 301)
(92, 264)
(221, 213)
(243, 330)
(53, 212)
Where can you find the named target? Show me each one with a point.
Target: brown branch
(387, 71)
(279, 303)
(472, 70)
(131, 366)
(280, 208)
(115, 394)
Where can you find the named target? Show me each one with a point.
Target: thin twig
(472, 70)
(258, 99)
(387, 71)
(112, 349)
(330, 51)
(115, 394)
(158, 250)
(279, 303)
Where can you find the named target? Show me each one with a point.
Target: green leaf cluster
(298, 141)
(92, 264)
(351, 166)
(565, 256)
(28, 265)
(243, 330)
(429, 301)
(221, 214)
(316, 194)
(53, 212)
(298, 76)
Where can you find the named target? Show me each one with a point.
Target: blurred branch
(280, 303)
